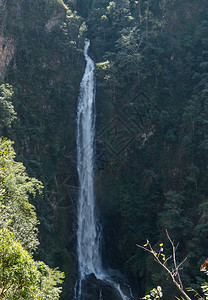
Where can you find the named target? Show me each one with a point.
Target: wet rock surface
(96, 289)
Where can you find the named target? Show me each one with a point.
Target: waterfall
(88, 233)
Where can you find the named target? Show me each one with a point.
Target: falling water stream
(88, 233)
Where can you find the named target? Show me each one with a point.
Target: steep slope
(42, 60)
(151, 141)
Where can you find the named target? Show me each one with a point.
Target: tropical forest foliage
(151, 142)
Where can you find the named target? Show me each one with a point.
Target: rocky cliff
(151, 140)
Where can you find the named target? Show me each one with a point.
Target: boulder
(96, 289)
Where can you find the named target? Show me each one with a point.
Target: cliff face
(7, 50)
(18, 17)
(7, 43)
(40, 57)
(152, 111)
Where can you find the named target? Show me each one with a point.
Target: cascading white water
(88, 235)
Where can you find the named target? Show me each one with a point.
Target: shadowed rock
(96, 289)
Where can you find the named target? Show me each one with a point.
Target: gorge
(149, 160)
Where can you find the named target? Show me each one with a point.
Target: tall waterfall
(87, 234)
(88, 240)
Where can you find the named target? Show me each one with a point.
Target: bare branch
(174, 274)
(142, 247)
(167, 259)
(182, 262)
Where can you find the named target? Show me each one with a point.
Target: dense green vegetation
(21, 277)
(45, 75)
(151, 142)
(151, 70)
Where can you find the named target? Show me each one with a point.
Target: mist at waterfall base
(94, 282)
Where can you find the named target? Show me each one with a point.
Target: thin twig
(174, 274)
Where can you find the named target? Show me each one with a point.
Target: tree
(16, 187)
(23, 278)
(7, 112)
(172, 267)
